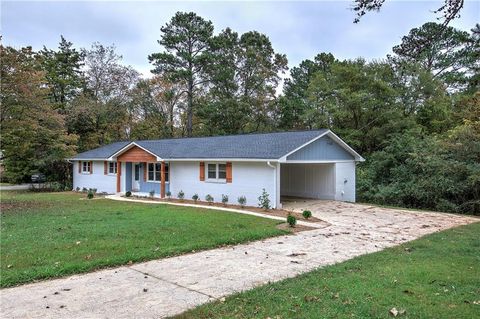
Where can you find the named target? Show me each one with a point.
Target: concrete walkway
(14, 187)
(170, 286)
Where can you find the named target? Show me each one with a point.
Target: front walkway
(169, 286)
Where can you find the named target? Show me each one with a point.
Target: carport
(315, 180)
(321, 169)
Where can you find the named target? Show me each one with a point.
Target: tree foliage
(414, 116)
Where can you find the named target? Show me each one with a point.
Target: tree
(63, 72)
(34, 138)
(449, 10)
(444, 51)
(100, 114)
(295, 102)
(355, 99)
(185, 39)
(154, 108)
(243, 76)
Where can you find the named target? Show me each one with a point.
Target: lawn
(46, 235)
(437, 276)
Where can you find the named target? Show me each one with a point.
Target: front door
(136, 177)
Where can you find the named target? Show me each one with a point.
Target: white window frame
(217, 173)
(115, 168)
(167, 173)
(86, 167)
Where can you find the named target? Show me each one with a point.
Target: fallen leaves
(395, 312)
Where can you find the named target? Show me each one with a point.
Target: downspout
(274, 181)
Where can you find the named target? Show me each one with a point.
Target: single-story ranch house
(310, 164)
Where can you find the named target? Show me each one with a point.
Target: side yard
(46, 235)
(437, 276)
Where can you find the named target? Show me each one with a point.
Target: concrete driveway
(169, 286)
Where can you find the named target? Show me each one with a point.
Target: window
(217, 172)
(86, 167)
(155, 170)
(112, 167)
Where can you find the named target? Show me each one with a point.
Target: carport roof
(244, 146)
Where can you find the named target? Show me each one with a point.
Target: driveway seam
(171, 282)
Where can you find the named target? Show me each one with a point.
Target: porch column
(119, 172)
(162, 177)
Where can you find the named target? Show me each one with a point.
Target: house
(310, 164)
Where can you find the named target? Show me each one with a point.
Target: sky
(299, 29)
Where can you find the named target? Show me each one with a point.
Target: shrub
(181, 195)
(84, 190)
(291, 220)
(263, 200)
(77, 189)
(94, 190)
(224, 200)
(128, 194)
(209, 199)
(307, 214)
(152, 193)
(195, 198)
(90, 194)
(242, 200)
(169, 194)
(56, 187)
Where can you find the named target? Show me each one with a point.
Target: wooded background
(414, 115)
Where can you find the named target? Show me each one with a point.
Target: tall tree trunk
(190, 108)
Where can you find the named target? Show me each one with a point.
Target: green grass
(437, 276)
(46, 235)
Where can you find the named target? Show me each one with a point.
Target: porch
(143, 172)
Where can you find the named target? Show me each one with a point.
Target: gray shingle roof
(102, 152)
(254, 146)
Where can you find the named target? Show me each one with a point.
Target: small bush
(84, 190)
(94, 190)
(90, 194)
(77, 189)
(56, 187)
(224, 200)
(263, 200)
(291, 220)
(307, 214)
(209, 199)
(169, 194)
(195, 198)
(181, 195)
(152, 193)
(128, 194)
(242, 200)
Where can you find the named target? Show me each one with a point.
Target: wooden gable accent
(136, 154)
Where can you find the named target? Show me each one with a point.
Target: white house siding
(345, 181)
(248, 179)
(308, 180)
(103, 183)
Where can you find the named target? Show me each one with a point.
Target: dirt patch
(21, 206)
(296, 229)
(272, 212)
